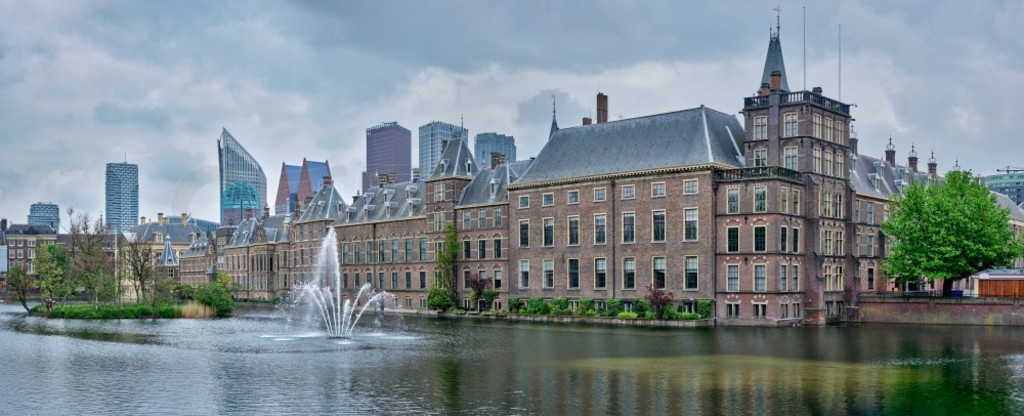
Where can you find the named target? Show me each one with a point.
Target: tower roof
(773, 62)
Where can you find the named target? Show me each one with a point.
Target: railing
(800, 97)
(759, 173)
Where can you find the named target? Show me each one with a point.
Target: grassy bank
(130, 311)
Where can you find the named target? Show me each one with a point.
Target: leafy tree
(19, 283)
(478, 286)
(52, 264)
(438, 298)
(216, 296)
(448, 261)
(948, 230)
(658, 299)
(183, 291)
(91, 266)
(139, 262)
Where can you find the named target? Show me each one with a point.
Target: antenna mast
(840, 62)
(805, 48)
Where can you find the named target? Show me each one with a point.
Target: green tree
(448, 262)
(948, 230)
(216, 296)
(91, 266)
(438, 298)
(52, 264)
(19, 283)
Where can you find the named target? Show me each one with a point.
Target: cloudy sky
(84, 83)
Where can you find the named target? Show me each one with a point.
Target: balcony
(799, 97)
(759, 173)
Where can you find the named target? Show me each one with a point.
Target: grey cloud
(112, 113)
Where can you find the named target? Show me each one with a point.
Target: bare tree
(138, 260)
(91, 266)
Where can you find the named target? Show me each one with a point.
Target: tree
(216, 296)
(478, 286)
(448, 262)
(52, 264)
(659, 299)
(948, 230)
(91, 267)
(139, 262)
(438, 298)
(19, 283)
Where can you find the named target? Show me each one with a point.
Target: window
(760, 158)
(524, 233)
(549, 232)
(369, 252)
(783, 239)
(816, 125)
(789, 124)
(394, 251)
(733, 239)
(497, 279)
(839, 132)
(628, 227)
(524, 202)
(790, 160)
(826, 205)
(574, 197)
(574, 273)
(838, 209)
(794, 281)
(760, 199)
(658, 275)
(784, 200)
(782, 277)
(481, 249)
(482, 218)
(796, 202)
(549, 274)
(497, 248)
(345, 254)
(827, 130)
(497, 217)
(826, 242)
(381, 251)
(600, 225)
(871, 245)
(574, 230)
(840, 165)
(796, 240)
(760, 128)
(628, 191)
(734, 201)
(439, 192)
(817, 161)
(658, 226)
(759, 277)
(871, 279)
(466, 250)
(344, 280)
(599, 194)
(760, 310)
(467, 220)
(690, 277)
(690, 224)
(549, 200)
(438, 222)
(408, 280)
(871, 213)
(690, 187)
(732, 310)
(759, 238)
(357, 280)
(380, 280)
(423, 249)
(423, 279)
(733, 277)
(658, 189)
(524, 274)
(839, 243)
(629, 273)
(408, 250)
(600, 270)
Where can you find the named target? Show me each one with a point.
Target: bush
(438, 299)
(649, 315)
(627, 315)
(689, 316)
(514, 304)
(538, 307)
(670, 314)
(559, 304)
(586, 306)
(215, 296)
(704, 308)
(641, 307)
(612, 307)
(134, 311)
(489, 296)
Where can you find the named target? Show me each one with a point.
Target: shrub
(591, 313)
(514, 304)
(559, 304)
(538, 307)
(627, 315)
(649, 315)
(659, 300)
(612, 307)
(689, 316)
(586, 306)
(438, 298)
(670, 314)
(215, 296)
(704, 308)
(641, 306)
(489, 296)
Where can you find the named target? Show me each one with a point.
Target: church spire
(773, 62)
(554, 120)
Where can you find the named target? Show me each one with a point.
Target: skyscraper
(44, 213)
(431, 136)
(122, 207)
(388, 151)
(299, 183)
(486, 143)
(243, 186)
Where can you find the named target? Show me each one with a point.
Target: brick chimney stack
(497, 159)
(160, 218)
(415, 174)
(933, 166)
(3, 224)
(328, 181)
(776, 80)
(765, 90)
(142, 220)
(912, 159)
(184, 218)
(602, 108)
(587, 121)
(890, 153)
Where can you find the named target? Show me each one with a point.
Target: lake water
(262, 362)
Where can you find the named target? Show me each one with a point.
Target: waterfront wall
(941, 311)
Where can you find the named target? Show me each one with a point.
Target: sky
(86, 83)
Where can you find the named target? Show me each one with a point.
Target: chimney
(890, 153)
(266, 212)
(912, 159)
(386, 179)
(602, 108)
(587, 121)
(853, 145)
(933, 166)
(184, 218)
(3, 224)
(817, 90)
(776, 80)
(142, 220)
(328, 182)
(160, 218)
(765, 89)
(415, 174)
(497, 159)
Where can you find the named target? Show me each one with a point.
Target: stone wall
(942, 311)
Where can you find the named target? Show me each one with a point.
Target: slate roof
(327, 204)
(197, 248)
(1016, 213)
(670, 140)
(249, 232)
(453, 161)
(179, 233)
(168, 258)
(773, 62)
(891, 179)
(394, 201)
(479, 190)
(243, 233)
(26, 229)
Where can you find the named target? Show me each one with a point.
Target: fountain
(338, 315)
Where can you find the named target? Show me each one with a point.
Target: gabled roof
(197, 248)
(384, 202)
(179, 233)
(27, 229)
(891, 180)
(243, 233)
(678, 139)
(168, 258)
(453, 161)
(480, 190)
(1016, 213)
(326, 204)
(773, 62)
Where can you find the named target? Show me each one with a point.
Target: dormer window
(444, 165)
(494, 187)
(469, 166)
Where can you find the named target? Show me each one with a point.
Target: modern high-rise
(243, 186)
(298, 184)
(432, 135)
(388, 152)
(487, 143)
(122, 205)
(44, 213)
(1010, 184)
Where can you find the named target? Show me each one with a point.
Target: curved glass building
(243, 186)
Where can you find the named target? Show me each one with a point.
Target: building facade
(1010, 184)
(243, 186)
(22, 241)
(388, 152)
(122, 196)
(44, 213)
(486, 143)
(432, 137)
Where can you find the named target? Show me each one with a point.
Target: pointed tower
(774, 63)
(554, 120)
